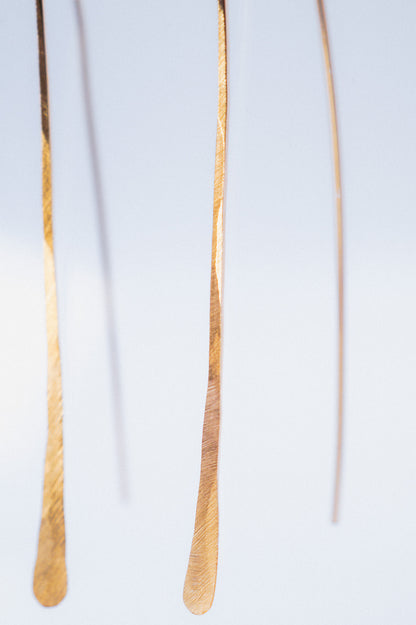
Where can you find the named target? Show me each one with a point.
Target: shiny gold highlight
(340, 244)
(49, 583)
(201, 575)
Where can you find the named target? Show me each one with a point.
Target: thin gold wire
(340, 244)
(200, 581)
(50, 578)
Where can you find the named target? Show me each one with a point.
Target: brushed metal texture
(50, 577)
(201, 575)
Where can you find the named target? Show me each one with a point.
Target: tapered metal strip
(340, 245)
(104, 245)
(201, 575)
(50, 578)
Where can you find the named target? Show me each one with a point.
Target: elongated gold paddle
(49, 583)
(201, 575)
(338, 191)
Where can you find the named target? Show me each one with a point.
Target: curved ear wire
(338, 190)
(199, 589)
(49, 583)
(105, 257)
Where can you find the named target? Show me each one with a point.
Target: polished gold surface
(49, 583)
(338, 191)
(201, 575)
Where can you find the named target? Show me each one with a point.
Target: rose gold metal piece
(338, 190)
(49, 583)
(120, 441)
(201, 575)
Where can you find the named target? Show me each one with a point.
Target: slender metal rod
(200, 581)
(340, 244)
(117, 397)
(50, 578)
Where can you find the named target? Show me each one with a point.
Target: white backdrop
(154, 87)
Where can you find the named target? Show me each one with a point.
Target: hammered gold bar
(201, 575)
(340, 245)
(49, 583)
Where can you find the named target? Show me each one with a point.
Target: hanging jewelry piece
(338, 190)
(49, 583)
(201, 575)
(105, 256)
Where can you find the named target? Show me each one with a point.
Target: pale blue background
(154, 86)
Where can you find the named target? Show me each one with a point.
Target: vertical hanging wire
(340, 245)
(50, 578)
(105, 257)
(200, 581)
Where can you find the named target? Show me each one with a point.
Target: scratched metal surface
(199, 588)
(49, 582)
(155, 101)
